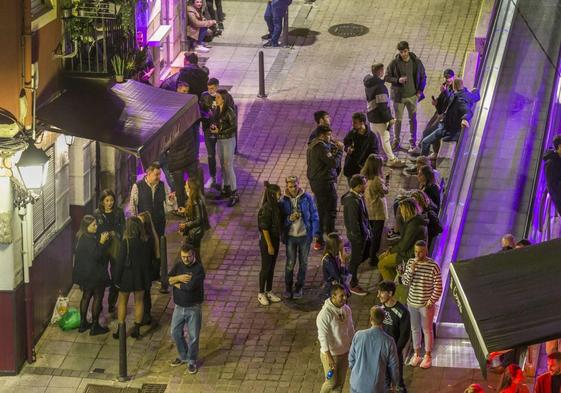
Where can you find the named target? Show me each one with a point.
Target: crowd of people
(124, 254)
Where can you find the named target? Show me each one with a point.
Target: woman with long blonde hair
(414, 229)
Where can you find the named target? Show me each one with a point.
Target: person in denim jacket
(300, 227)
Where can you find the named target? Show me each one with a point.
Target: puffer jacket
(459, 108)
(307, 209)
(323, 160)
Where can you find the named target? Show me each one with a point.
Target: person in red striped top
(422, 276)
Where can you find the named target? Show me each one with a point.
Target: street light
(69, 139)
(33, 167)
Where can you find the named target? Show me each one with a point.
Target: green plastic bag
(70, 320)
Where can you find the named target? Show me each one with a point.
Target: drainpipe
(30, 86)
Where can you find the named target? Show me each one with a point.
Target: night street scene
(280, 196)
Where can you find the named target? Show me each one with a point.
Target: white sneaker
(202, 49)
(414, 151)
(263, 299)
(427, 362)
(273, 298)
(396, 163)
(414, 361)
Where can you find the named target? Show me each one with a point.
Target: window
(44, 211)
(43, 12)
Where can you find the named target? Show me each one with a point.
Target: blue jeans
(202, 34)
(436, 135)
(296, 247)
(273, 17)
(192, 317)
(226, 151)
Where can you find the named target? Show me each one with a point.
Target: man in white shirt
(335, 334)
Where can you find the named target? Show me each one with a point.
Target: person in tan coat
(197, 26)
(375, 198)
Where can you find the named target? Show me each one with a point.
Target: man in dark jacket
(357, 227)
(407, 75)
(396, 323)
(193, 74)
(359, 143)
(440, 104)
(379, 113)
(323, 157)
(187, 278)
(456, 116)
(553, 172)
(321, 118)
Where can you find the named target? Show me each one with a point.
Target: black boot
(84, 325)
(97, 329)
(234, 199)
(135, 333)
(226, 192)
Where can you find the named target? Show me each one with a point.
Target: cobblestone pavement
(245, 347)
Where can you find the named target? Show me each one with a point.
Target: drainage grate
(153, 388)
(108, 389)
(348, 30)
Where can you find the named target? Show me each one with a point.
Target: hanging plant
(80, 29)
(127, 12)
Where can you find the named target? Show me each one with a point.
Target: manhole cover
(348, 30)
(153, 388)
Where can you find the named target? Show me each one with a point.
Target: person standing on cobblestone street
(357, 227)
(422, 276)
(377, 187)
(323, 157)
(335, 333)
(396, 323)
(269, 222)
(379, 113)
(187, 278)
(149, 194)
(407, 75)
(224, 125)
(274, 13)
(300, 226)
(373, 354)
(359, 143)
(207, 106)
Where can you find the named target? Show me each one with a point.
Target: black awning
(137, 118)
(510, 299)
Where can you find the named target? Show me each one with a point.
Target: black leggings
(87, 295)
(267, 264)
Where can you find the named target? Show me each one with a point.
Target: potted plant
(118, 64)
(66, 7)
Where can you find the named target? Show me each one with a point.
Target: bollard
(285, 29)
(123, 353)
(261, 76)
(164, 283)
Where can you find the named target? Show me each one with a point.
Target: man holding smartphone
(187, 279)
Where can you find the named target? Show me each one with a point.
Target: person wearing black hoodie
(457, 116)
(359, 143)
(553, 172)
(357, 227)
(323, 157)
(407, 75)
